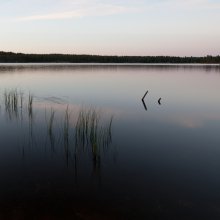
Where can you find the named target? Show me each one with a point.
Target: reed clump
(30, 105)
(51, 122)
(13, 100)
(89, 130)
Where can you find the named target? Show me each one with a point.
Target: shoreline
(106, 64)
(9, 57)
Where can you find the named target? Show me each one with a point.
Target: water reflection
(4, 68)
(68, 151)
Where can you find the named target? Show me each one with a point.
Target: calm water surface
(129, 161)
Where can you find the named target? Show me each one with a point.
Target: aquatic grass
(109, 130)
(14, 100)
(31, 119)
(30, 105)
(82, 127)
(94, 120)
(11, 100)
(87, 119)
(66, 124)
(66, 127)
(87, 126)
(50, 129)
(51, 122)
(105, 134)
(91, 134)
(21, 99)
(90, 131)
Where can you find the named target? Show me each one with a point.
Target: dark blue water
(158, 161)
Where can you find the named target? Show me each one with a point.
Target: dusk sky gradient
(110, 27)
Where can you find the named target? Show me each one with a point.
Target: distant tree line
(9, 57)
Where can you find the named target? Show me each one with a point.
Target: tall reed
(89, 131)
(21, 99)
(30, 105)
(11, 100)
(51, 122)
(66, 124)
(66, 127)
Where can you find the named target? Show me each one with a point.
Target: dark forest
(9, 57)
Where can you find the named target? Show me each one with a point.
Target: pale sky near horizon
(111, 27)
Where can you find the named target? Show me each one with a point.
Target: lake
(78, 141)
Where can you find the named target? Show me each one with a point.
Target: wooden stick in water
(145, 95)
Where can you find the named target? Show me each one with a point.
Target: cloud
(99, 10)
(193, 4)
(91, 8)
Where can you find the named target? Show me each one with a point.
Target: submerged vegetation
(9, 57)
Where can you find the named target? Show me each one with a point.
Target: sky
(111, 27)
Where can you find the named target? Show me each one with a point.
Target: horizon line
(74, 54)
